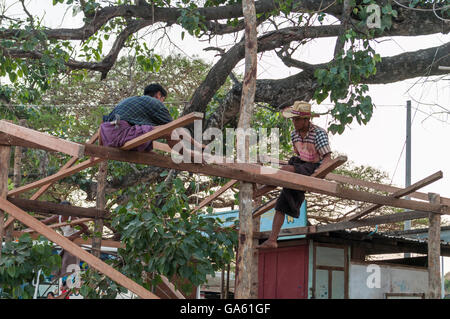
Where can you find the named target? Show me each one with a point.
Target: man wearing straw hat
(312, 149)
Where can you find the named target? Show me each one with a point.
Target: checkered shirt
(140, 110)
(314, 146)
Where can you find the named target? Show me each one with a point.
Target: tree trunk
(245, 250)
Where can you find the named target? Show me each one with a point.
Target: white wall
(372, 283)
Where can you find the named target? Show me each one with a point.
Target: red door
(283, 273)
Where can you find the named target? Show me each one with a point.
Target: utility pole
(407, 224)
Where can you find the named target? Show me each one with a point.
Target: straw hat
(299, 109)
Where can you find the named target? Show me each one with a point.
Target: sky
(381, 142)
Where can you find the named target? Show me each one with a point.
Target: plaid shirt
(140, 110)
(314, 146)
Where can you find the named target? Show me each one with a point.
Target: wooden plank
(46, 140)
(216, 194)
(167, 284)
(403, 192)
(245, 172)
(73, 249)
(434, 252)
(162, 130)
(387, 219)
(57, 225)
(380, 187)
(266, 207)
(45, 207)
(390, 201)
(78, 241)
(6, 139)
(321, 172)
(5, 153)
(69, 163)
(57, 176)
(263, 175)
(161, 147)
(44, 188)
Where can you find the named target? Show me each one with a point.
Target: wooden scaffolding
(430, 206)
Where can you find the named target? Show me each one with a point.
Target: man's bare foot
(268, 244)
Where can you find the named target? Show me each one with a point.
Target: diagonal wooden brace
(209, 199)
(403, 192)
(75, 250)
(321, 172)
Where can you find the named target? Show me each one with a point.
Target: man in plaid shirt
(312, 149)
(135, 116)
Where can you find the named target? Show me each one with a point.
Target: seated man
(135, 116)
(311, 145)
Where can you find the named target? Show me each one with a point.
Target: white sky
(380, 143)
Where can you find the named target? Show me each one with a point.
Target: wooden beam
(327, 168)
(44, 188)
(216, 194)
(403, 192)
(161, 147)
(57, 225)
(46, 140)
(10, 140)
(162, 130)
(45, 207)
(168, 285)
(73, 249)
(57, 176)
(245, 172)
(69, 163)
(380, 187)
(387, 219)
(263, 175)
(434, 252)
(321, 172)
(78, 241)
(266, 207)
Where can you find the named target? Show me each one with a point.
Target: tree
(33, 53)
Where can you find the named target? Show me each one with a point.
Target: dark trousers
(290, 200)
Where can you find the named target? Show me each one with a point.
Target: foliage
(20, 263)
(167, 240)
(162, 238)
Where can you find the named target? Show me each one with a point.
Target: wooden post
(434, 251)
(5, 152)
(245, 249)
(17, 178)
(255, 257)
(101, 203)
(227, 288)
